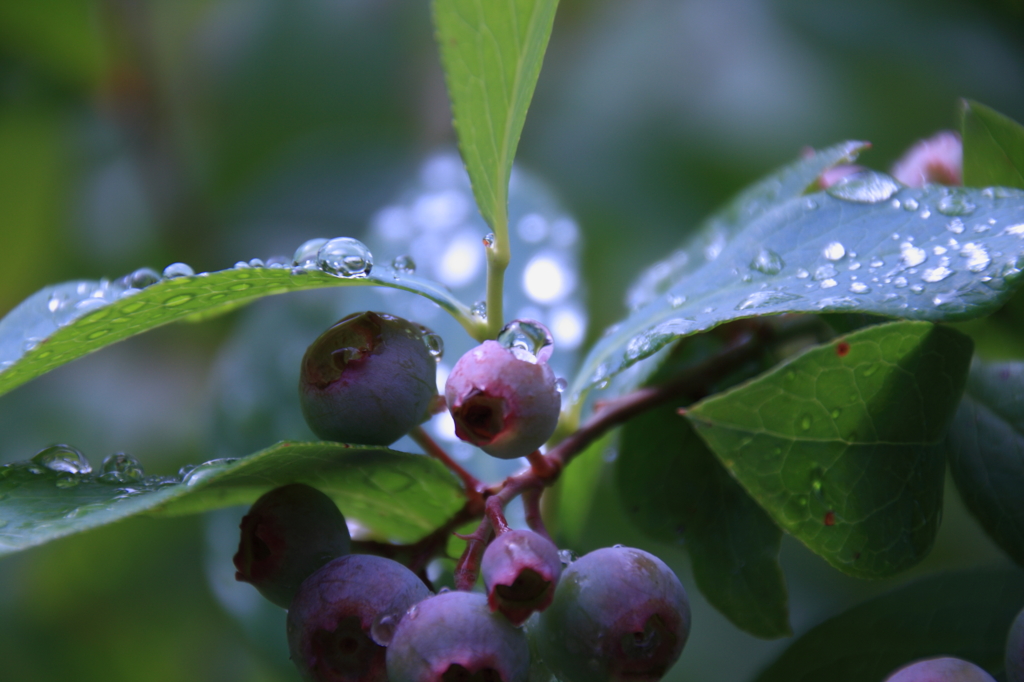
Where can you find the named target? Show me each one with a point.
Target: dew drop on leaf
(404, 265)
(834, 251)
(62, 458)
(345, 257)
(956, 203)
(120, 467)
(866, 187)
(305, 255)
(767, 262)
(175, 270)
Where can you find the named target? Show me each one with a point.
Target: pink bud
(939, 159)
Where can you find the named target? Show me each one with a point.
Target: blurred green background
(136, 132)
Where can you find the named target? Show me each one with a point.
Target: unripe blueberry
(1015, 650)
(287, 535)
(333, 618)
(503, 400)
(520, 570)
(454, 637)
(618, 614)
(940, 670)
(369, 379)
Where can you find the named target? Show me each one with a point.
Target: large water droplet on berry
(529, 336)
(345, 257)
(63, 459)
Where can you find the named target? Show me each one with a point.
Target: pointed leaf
(843, 445)
(63, 322)
(397, 496)
(492, 54)
(674, 488)
(966, 615)
(986, 454)
(935, 253)
(993, 147)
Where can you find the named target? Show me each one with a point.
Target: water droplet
(834, 251)
(479, 309)
(528, 336)
(866, 187)
(925, 213)
(345, 257)
(191, 476)
(810, 204)
(877, 263)
(860, 288)
(768, 262)
(382, 630)
(305, 255)
(828, 283)
(976, 255)
(910, 204)
(434, 344)
(142, 278)
(900, 282)
(917, 288)
(62, 458)
(413, 612)
(489, 239)
(956, 226)
(911, 256)
(956, 202)
(826, 271)
(561, 384)
(278, 262)
(674, 300)
(761, 299)
(241, 265)
(567, 556)
(66, 481)
(178, 270)
(805, 422)
(404, 265)
(120, 467)
(802, 274)
(936, 274)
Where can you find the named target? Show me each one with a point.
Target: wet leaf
(993, 147)
(395, 495)
(63, 322)
(675, 489)
(844, 445)
(869, 246)
(966, 615)
(492, 54)
(986, 453)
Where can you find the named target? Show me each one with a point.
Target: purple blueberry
(287, 535)
(618, 614)
(1015, 650)
(369, 379)
(454, 637)
(505, 401)
(339, 609)
(520, 570)
(940, 670)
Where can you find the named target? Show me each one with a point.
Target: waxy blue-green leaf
(492, 54)
(993, 147)
(395, 495)
(965, 615)
(986, 453)
(675, 489)
(844, 446)
(867, 245)
(63, 322)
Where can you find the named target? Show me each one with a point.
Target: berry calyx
(369, 379)
(940, 670)
(618, 614)
(520, 570)
(333, 619)
(453, 637)
(503, 400)
(288, 534)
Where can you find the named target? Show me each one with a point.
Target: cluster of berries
(614, 614)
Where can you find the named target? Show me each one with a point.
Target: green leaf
(844, 445)
(492, 54)
(63, 322)
(993, 147)
(674, 488)
(934, 253)
(966, 615)
(986, 454)
(395, 495)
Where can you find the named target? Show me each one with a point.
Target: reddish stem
(468, 567)
(531, 505)
(543, 466)
(474, 489)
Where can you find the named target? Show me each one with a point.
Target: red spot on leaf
(842, 349)
(830, 518)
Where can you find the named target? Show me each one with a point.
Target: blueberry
(940, 670)
(454, 637)
(287, 535)
(503, 401)
(369, 379)
(618, 614)
(520, 570)
(1015, 650)
(337, 611)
